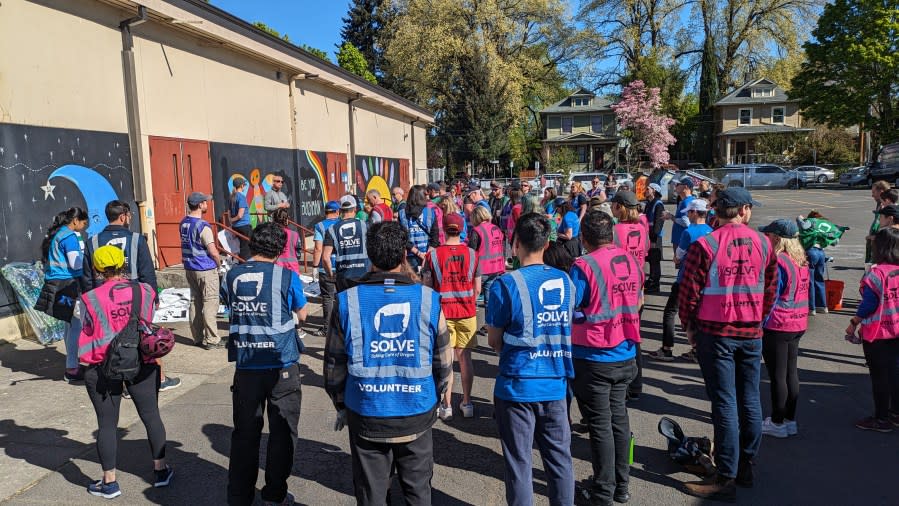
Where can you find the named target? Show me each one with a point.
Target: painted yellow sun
(378, 183)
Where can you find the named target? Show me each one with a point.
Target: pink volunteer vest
(490, 250)
(884, 322)
(735, 284)
(633, 238)
(108, 309)
(790, 311)
(288, 258)
(616, 284)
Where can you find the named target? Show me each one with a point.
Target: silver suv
(761, 176)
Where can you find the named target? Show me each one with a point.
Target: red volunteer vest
(735, 284)
(288, 258)
(616, 284)
(883, 280)
(385, 211)
(107, 311)
(490, 249)
(790, 311)
(633, 238)
(453, 270)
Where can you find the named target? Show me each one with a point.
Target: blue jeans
(732, 371)
(817, 297)
(520, 424)
(486, 283)
(72, 331)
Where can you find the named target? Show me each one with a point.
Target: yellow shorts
(463, 332)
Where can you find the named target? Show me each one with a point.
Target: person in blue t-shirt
(569, 230)
(240, 216)
(534, 365)
(697, 211)
(684, 189)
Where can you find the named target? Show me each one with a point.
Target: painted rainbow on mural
(319, 171)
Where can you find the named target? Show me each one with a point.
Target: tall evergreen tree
(708, 95)
(361, 28)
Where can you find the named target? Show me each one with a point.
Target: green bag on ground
(818, 231)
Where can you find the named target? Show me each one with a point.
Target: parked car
(815, 174)
(668, 179)
(886, 166)
(586, 178)
(761, 176)
(855, 176)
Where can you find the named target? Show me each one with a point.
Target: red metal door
(177, 168)
(336, 172)
(404, 175)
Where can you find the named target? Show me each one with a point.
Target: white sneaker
(792, 427)
(445, 413)
(778, 430)
(467, 410)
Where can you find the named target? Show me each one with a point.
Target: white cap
(656, 188)
(347, 202)
(698, 205)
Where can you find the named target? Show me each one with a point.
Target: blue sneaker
(163, 477)
(105, 490)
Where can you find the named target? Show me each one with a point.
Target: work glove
(340, 421)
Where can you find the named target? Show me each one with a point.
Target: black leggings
(244, 243)
(883, 365)
(781, 350)
(668, 316)
(106, 396)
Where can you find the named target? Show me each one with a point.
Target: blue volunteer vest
(193, 253)
(322, 229)
(543, 350)
(57, 264)
(263, 333)
(418, 227)
(126, 241)
(389, 341)
(350, 257)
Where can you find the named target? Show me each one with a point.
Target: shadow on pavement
(47, 363)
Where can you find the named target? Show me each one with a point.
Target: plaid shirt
(697, 264)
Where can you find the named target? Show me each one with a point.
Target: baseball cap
(735, 197)
(453, 221)
(434, 187)
(889, 210)
(197, 198)
(472, 187)
(698, 205)
(108, 257)
(625, 198)
(656, 188)
(686, 181)
(514, 185)
(559, 201)
(332, 206)
(494, 185)
(782, 227)
(348, 202)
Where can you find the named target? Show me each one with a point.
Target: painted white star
(25, 136)
(72, 153)
(58, 140)
(33, 200)
(2, 150)
(28, 234)
(51, 155)
(48, 191)
(109, 154)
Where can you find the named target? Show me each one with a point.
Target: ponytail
(60, 220)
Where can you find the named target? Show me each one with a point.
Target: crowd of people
(562, 280)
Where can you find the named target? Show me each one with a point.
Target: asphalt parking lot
(48, 458)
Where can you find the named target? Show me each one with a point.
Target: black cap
(626, 198)
(735, 197)
(890, 210)
(433, 186)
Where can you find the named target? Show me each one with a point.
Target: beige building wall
(379, 132)
(322, 118)
(761, 115)
(51, 77)
(195, 91)
(420, 166)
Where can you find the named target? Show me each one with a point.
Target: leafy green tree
(852, 71)
(562, 161)
(271, 31)
(362, 28)
(315, 52)
(351, 59)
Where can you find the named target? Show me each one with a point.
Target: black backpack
(123, 360)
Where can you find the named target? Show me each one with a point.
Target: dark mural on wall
(46, 170)
(382, 174)
(303, 171)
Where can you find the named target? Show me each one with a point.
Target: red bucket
(834, 291)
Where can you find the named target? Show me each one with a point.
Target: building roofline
(243, 37)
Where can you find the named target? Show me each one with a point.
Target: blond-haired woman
(578, 199)
(784, 326)
(448, 205)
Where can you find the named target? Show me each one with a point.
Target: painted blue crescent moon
(94, 188)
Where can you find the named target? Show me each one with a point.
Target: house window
(581, 101)
(762, 92)
(582, 154)
(745, 117)
(566, 125)
(596, 124)
(777, 115)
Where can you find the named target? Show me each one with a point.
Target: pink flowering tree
(642, 123)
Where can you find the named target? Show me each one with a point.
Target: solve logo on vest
(551, 295)
(391, 322)
(348, 238)
(247, 288)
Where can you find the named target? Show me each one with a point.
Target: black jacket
(146, 272)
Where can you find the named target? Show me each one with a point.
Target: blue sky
(316, 23)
